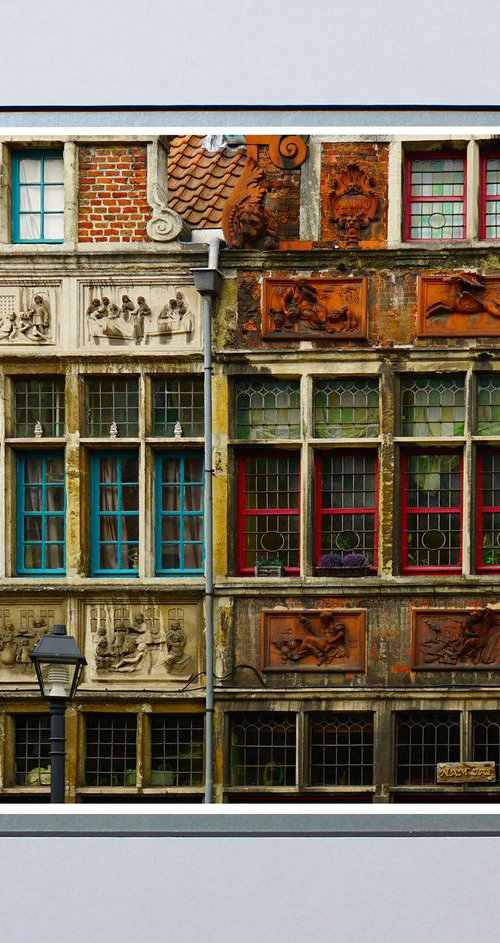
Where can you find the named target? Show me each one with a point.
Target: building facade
(356, 465)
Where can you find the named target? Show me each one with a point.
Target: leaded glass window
(38, 403)
(114, 483)
(263, 749)
(433, 406)
(341, 749)
(488, 405)
(179, 508)
(346, 490)
(435, 198)
(32, 749)
(40, 514)
(269, 508)
(177, 749)
(488, 516)
(178, 401)
(486, 737)
(113, 402)
(111, 750)
(490, 198)
(346, 408)
(432, 502)
(37, 196)
(424, 739)
(268, 409)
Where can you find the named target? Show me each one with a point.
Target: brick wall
(282, 197)
(374, 160)
(112, 194)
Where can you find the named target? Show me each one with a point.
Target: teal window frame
(42, 156)
(96, 513)
(180, 513)
(22, 513)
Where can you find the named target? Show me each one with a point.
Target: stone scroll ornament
(313, 640)
(456, 639)
(353, 201)
(330, 308)
(460, 304)
(246, 222)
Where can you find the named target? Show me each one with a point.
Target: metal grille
(436, 194)
(433, 511)
(263, 750)
(269, 509)
(346, 408)
(341, 749)
(268, 409)
(433, 406)
(178, 401)
(113, 401)
(38, 402)
(489, 509)
(177, 750)
(488, 405)
(347, 491)
(32, 750)
(491, 196)
(111, 750)
(486, 737)
(424, 739)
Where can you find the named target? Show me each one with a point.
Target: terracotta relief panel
(456, 639)
(461, 304)
(141, 643)
(21, 628)
(29, 314)
(140, 315)
(314, 308)
(313, 639)
(354, 204)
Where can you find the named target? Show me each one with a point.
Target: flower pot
(340, 571)
(268, 570)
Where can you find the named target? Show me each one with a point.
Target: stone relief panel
(462, 304)
(456, 639)
(313, 639)
(21, 627)
(329, 308)
(29, 314)
(128, 642)
(140, 315)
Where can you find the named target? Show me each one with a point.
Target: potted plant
(268, 566)
(351, 564)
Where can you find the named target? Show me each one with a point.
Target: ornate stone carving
(148, 642)
(29, 326)
(165, 318)
(21, 627)
(353, 202)
(456, 639)
(246, 222)
(297, 308)
(464, 304)
(165, 224)
(313, 639)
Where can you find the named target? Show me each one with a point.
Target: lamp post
(58, 664)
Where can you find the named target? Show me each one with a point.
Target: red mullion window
(407, 510)
(493, 564)
(322, 512)
(487, 198)
(286, 528)
(409, 199)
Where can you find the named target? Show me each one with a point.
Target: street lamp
(58, 664)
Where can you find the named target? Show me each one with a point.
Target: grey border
(270, 824)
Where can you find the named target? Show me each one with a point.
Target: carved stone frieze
(329, 308)
(21, 627)
(28, 315)
(145, 315)
(141, 643)
(313, 639)
(353, 202)
(456, 639)
(460, 304)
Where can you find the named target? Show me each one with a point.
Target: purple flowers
(330, 560)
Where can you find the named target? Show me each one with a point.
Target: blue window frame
(179, 513)
(37, 196)
(114, 500)
(41, 507)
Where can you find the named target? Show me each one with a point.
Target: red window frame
(483, 509)
(320, 511)
(407, 509)
(484, 198)
(409, 199)
(244, 512)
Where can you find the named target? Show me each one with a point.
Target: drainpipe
(208, 282)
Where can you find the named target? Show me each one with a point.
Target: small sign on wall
(455, 773)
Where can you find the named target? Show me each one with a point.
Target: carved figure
(8, 326)
(353, 201)
(299, 304)
(329, 644)
(139, 644)
(250, 224)
(127, 307)
(469, 295)
(176, 660)
(175, 317)
(17, 643)
(476, 642)
(33, 324)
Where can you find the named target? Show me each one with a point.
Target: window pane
(176, 520)
(263, 749)
(341, 749)
(433, 406)
(29, 226)
(424, 739)
(30, 170)
(115, 516)
(29, 199)
(113, 401)
(178, 401)
(177, 750)
(38, 401)
(346, 408)
(53, 226)
(32, 750)
(53, 170)
(35, 534)
(432, 525)
(111, 750)
(269, 521)
(268, 409)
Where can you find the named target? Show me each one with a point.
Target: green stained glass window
(433, 406)
(268, 409)
(347, 408)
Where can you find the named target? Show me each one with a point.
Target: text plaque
(466, 772)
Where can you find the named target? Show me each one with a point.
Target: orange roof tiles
(199, 183)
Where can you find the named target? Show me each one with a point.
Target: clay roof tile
(199, 183)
